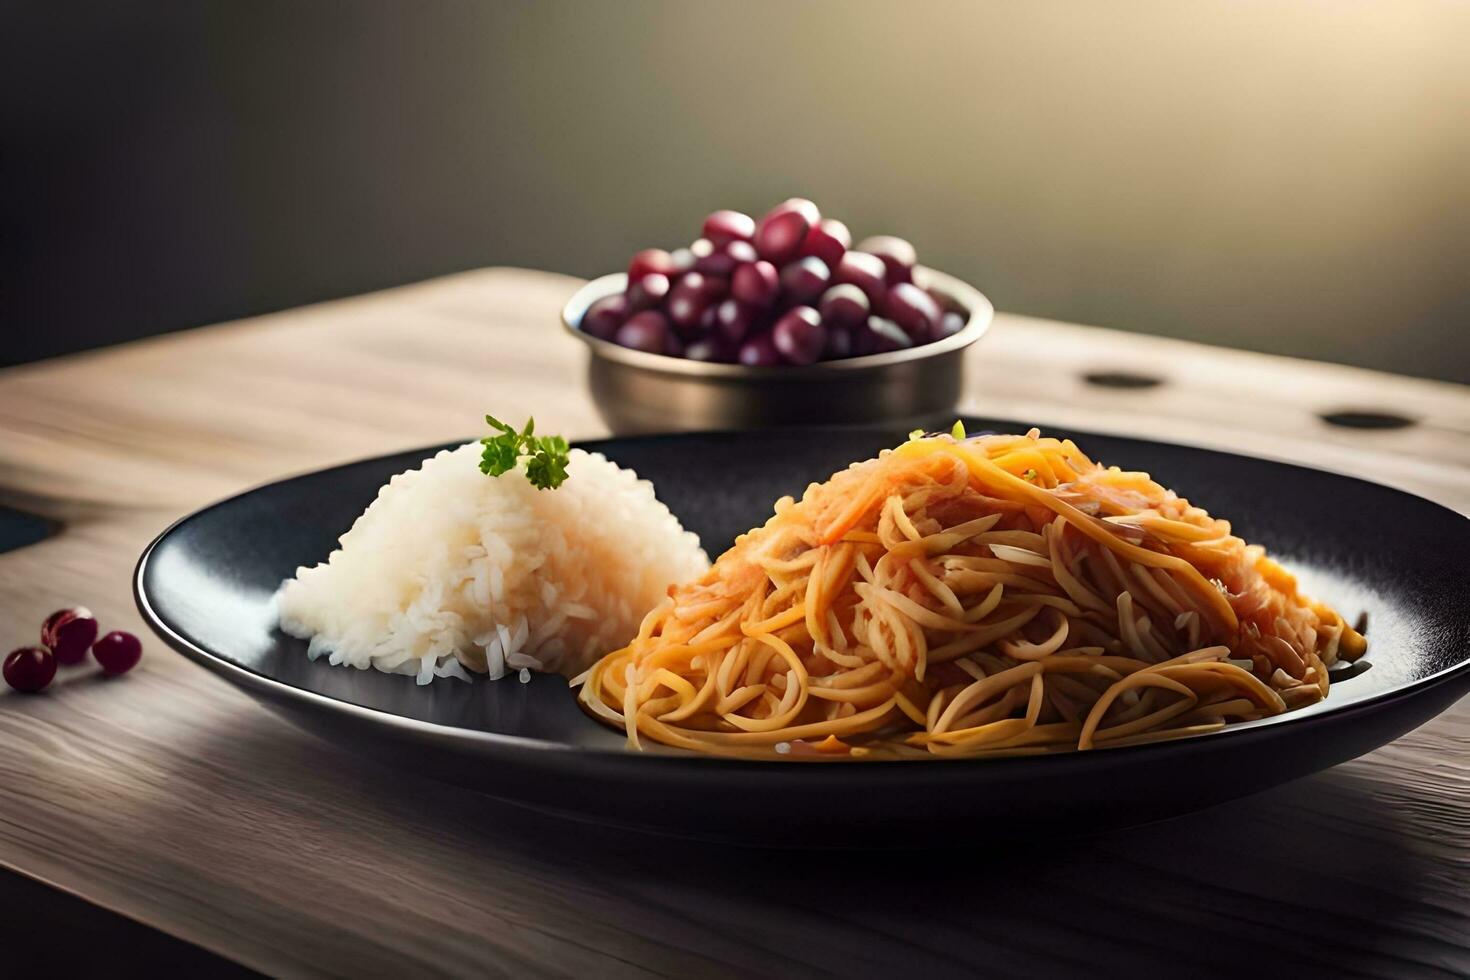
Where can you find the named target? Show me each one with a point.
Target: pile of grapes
(788, 289)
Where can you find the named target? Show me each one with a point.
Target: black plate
(205, 585)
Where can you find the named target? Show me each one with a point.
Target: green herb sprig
(546, 456)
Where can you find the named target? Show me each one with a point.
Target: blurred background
(1288, 177)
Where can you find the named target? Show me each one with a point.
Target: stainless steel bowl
(640, 392)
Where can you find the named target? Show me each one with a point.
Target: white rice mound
(451, 569)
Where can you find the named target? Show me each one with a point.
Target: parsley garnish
(546, 456)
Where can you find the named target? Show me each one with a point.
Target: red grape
(805, 279)
(118, 652)
(722, 259)
(950, 323)
(799, 335)
(648, 292)
(899, 257)
(878, 336)
(864, 271)
(29, 669)
(913, 309)
(828, 240)
(646, 331)
(782, 232)
(712, 348)
(756, 283)
(68, 633)
(604, 316)
(691, 297)
(789, 288)
(682, 260)
(844, 305)
(839, 343)
(734, 320)
(724, 227)
(759, 351)
(649, 261)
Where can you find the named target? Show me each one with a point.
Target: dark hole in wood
(1367, 420)
(1121, 379)
(18, 529)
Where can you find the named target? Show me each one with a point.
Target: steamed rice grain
(450, 569)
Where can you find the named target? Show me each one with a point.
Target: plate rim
(670, 760)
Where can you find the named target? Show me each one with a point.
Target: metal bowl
(640, 392)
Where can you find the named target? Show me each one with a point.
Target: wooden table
(172, 798)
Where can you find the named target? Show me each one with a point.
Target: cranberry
(724, 227)
(899, 257)
(118, 652)
(68, 633)
(828, 240)
(603, 317)
(30, 669)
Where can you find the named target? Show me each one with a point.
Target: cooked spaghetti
(972, 596)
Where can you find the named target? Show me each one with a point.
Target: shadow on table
(1320, 875)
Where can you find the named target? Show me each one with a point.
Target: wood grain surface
(172, 798)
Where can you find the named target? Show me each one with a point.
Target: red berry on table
(29, 669)
(118, 652)
(67, 633)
